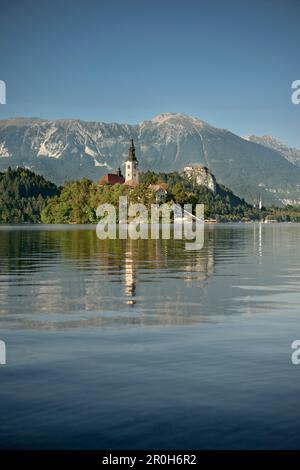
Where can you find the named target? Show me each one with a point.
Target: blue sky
(228, 62)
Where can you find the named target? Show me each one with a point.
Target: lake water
(142, 344)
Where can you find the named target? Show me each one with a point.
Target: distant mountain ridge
(290, 153)
(71, 149)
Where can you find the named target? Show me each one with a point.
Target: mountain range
(290, 153)
(71, 149)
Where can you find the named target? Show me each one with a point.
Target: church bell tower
(131, 166)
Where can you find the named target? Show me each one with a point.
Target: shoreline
(80, 225)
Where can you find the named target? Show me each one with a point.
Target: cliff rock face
(202, 176)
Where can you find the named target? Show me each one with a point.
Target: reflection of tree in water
(117, 262)
(77, 280)
(134, 263)
(24, 251)
(92, 282)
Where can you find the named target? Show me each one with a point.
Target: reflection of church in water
(194, 266)
(130, 277)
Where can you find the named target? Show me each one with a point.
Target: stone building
(160, 191)
(200, 175)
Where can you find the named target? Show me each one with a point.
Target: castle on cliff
(201, 176)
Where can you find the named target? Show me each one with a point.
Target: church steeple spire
(131, 153)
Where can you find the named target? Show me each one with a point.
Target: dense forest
(224, 205)
(23, 196)
(28, 198)
(78, 201)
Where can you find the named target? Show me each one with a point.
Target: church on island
(195, 173)
(131, 171)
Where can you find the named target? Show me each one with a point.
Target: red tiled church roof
(111, 178)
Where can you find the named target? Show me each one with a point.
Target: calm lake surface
(142, 344)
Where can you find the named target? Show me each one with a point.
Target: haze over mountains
(72, 149)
